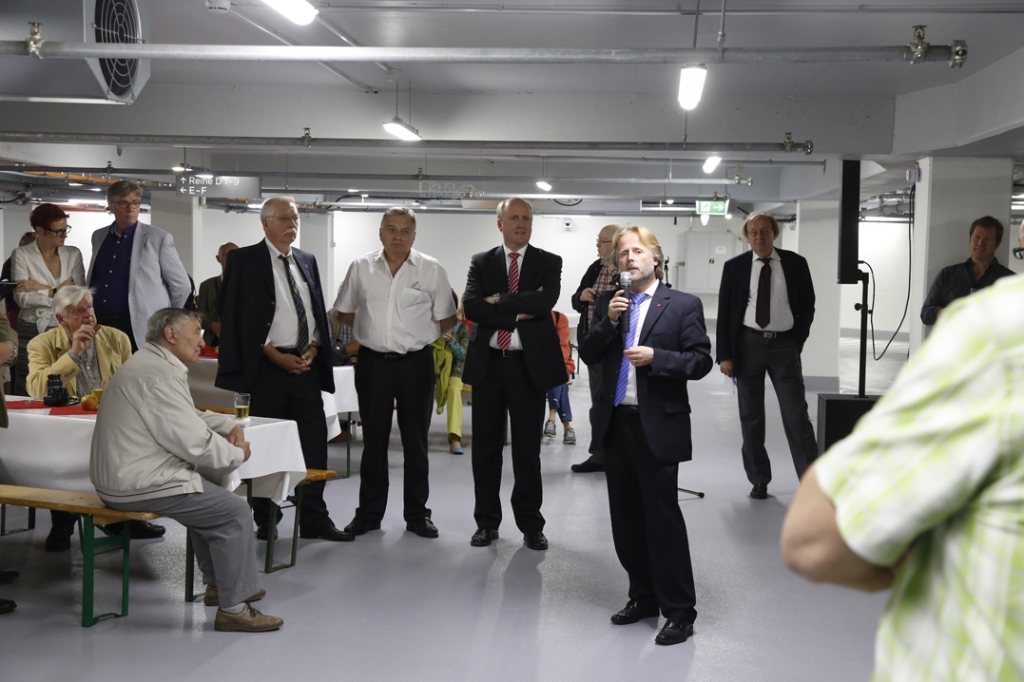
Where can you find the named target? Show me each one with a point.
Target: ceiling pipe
(953, 54)
(309, 142)
(133, 172)
(389, 71)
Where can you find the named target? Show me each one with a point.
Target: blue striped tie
(620, 386)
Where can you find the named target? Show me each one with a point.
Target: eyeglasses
(1018, 252)
(126, 204)
(61, 233)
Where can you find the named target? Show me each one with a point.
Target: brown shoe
(211, 598)
(249, 620)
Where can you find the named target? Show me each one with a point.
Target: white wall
(886, 247)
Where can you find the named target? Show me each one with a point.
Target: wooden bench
(92, 512)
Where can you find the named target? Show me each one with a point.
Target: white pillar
(183, 218)
(816, 238)
(316, 236)
(952, 194)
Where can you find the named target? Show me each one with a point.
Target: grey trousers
(220, 526)
(780, 358)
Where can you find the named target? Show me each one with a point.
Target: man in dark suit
(649, 343)
(514, 357)
(273, 327)
(206, 304)
(765, 310)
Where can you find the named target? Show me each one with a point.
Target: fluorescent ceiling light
(728, 216)
(691, 86)
(712, 163)
(402, 130)
(544, 185)
(256, 206)
(178, 168)
(353, 190)
(74, 184)
(205, 174)
(297, 11)
(670, 201)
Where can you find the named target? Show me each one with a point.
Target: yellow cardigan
(48, 354)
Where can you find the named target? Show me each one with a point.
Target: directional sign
(712, 206)
(217, 186)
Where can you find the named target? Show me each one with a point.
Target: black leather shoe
(674, 632)
(6, 606)
(59, 539)
(759, 491)
(144, 530)
(360, 526)
(588, 466)
(535, 540)
(326, 530)
(263, 532)
(7, 577)
(634, 613)
(423, 527)
(483, 536)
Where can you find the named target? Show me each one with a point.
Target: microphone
(625, 281)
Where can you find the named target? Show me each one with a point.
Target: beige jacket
(48, 354)
(150, 440)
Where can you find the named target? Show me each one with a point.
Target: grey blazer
(156, 277)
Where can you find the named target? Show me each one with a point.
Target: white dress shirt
(397, 314)
(27, 263)
(284, 332)
(515, 343)
(781, 315)
(637, 316)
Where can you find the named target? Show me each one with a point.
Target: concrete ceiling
(489, 114)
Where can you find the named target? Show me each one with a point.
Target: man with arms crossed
(397, 301)
(514, 357)
(148, 448)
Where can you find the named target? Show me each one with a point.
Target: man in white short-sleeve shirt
(397, 301)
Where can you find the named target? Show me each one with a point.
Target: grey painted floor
(393, 606)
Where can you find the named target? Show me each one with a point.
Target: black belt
(627, 409)
(507, 353)
(391, 356)
(760, 333)
(289, 351)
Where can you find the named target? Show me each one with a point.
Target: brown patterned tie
(505, 336)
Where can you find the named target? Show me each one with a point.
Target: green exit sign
(712, 206)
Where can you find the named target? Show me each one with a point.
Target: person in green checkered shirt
(926, 498)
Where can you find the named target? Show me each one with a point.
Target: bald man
(207, 304)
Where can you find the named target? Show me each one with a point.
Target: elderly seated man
(85, 356)
(148, 449)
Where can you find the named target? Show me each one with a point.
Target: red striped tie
(505, 336)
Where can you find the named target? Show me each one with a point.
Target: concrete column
(316, 236)
(183, 218)
(952, 194)
(816, 238)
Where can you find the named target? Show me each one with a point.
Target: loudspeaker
(838, 413)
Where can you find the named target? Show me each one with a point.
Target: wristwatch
(497, 298)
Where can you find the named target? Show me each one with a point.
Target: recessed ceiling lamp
(544, 185)
(712, 163)
(398, 127)
(296, 11)
(691, 86)
(670, 201)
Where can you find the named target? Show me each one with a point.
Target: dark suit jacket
(206, 306)
(541, 348)
(246, 303)
(674, 328)
(582, 307)
(735, 292)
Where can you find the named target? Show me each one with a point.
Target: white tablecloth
(201, 377)
(43, 451)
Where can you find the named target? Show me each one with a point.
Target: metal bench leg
(296, 502)
(91, 546)
(190, 569)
